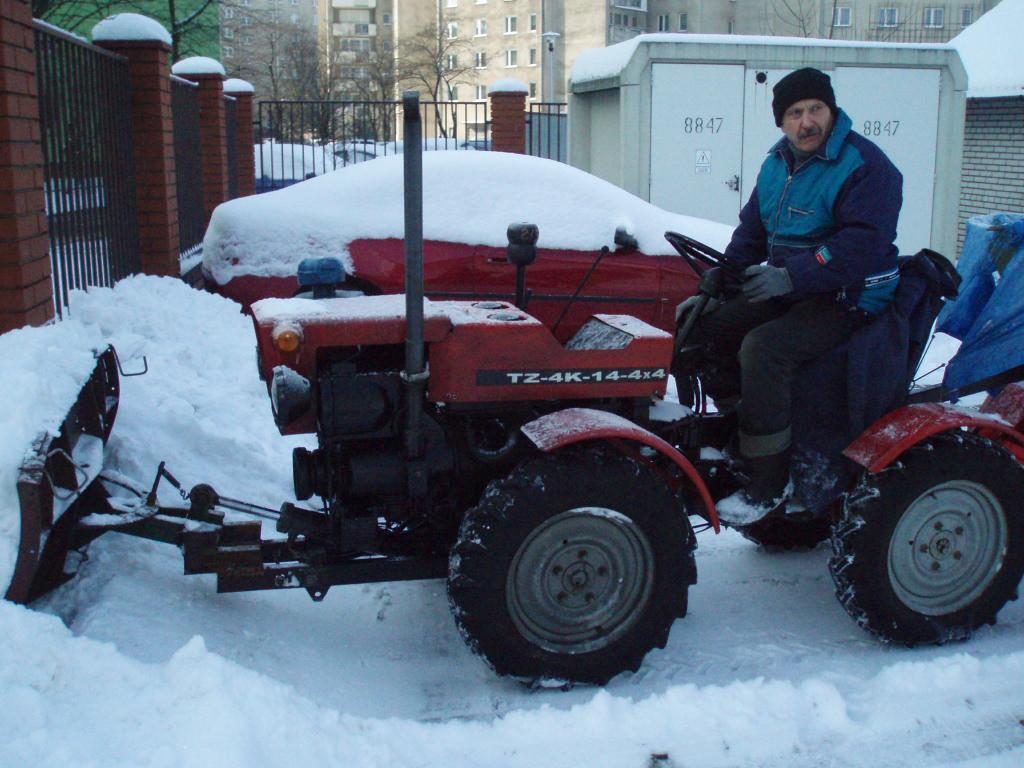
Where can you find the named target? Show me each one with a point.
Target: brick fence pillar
(212, 126)
(508, 116)
(26, 291)
(149, 75)
(244, 138)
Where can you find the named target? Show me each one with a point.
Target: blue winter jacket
(831, 223)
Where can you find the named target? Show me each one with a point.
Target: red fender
(885, 440)
(574, 425)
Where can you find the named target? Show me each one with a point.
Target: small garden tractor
(550, 484)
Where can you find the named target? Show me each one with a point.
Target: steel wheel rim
(947, 548)
(580, 580)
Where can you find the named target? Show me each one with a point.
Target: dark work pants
(755, 351)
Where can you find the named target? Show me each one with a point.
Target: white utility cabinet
(684, 121)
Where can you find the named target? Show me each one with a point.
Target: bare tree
(193, 24)
(795, 17)
(432, 61)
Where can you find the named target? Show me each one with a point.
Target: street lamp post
(549, 79)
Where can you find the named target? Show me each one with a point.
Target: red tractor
(462, 440)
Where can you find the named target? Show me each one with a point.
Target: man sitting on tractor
(823, 218)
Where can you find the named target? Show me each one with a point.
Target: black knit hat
(806, 83)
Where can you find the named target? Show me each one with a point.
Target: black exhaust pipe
(414, 375)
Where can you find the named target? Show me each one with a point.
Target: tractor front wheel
(572, 568)
(932, 547)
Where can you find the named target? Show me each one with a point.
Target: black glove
(685, 306)
(712, 282)
(763, 282)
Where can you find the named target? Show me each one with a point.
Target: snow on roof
(198, 65)
(992, 53)
(469, 197)
(509, 85)
(601, 63)
(236, 85)
(130, 26)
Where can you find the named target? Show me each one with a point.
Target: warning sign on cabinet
(702, 161)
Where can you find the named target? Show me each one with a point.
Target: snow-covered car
(254, 244)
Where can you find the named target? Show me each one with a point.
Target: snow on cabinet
(684, 121)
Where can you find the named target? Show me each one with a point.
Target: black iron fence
(546, 130)
(188, 164)
(88, 170)
(297, 140)
(231, 133)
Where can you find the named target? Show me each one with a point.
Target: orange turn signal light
(287, 339)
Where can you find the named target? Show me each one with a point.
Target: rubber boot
(765, 493)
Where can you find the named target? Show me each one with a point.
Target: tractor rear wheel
(572, 568)
(932, 547)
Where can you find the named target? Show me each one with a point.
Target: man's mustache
(808, 132)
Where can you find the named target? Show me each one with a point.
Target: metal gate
(297, 140)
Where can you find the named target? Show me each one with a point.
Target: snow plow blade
(55, 482)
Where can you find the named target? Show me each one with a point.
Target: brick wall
(26, 291)
(993, 166)
(153, 148)
(508, 122)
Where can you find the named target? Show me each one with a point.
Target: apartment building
(270, 43)
(537, 41)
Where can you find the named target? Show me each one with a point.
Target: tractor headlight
(290, 395)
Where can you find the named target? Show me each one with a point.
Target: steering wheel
(695, 251)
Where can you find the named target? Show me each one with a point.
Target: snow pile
(43, 371)
(80, 702)
(601, 63)
(766, 669)
(992, 53)
(469, 197)
(130, 26)
(201, 386)
(197, 65)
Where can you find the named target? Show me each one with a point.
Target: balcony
(350, 29)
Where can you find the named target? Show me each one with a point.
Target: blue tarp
(988, 315)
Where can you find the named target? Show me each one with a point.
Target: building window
(247, 39)
(481, 92)
(294, 2)
(888, 17)
(684, 22)
(966, 17)
(663, 22)
(533, 22)
(533, 57)
(229, 13)
(480, 28)
(511, 25)
(452, 3)
(453, 93)
(935, 18)
(512, 58)
(453, 30)
(480, 59)
(229, 52)
(731, 28)
(228, 33)
(533, 90)
(451, 61)
(294, 18)
(247, 21)
(386, 18)
(841, 16)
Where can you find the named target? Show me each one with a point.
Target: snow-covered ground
(133, 663)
